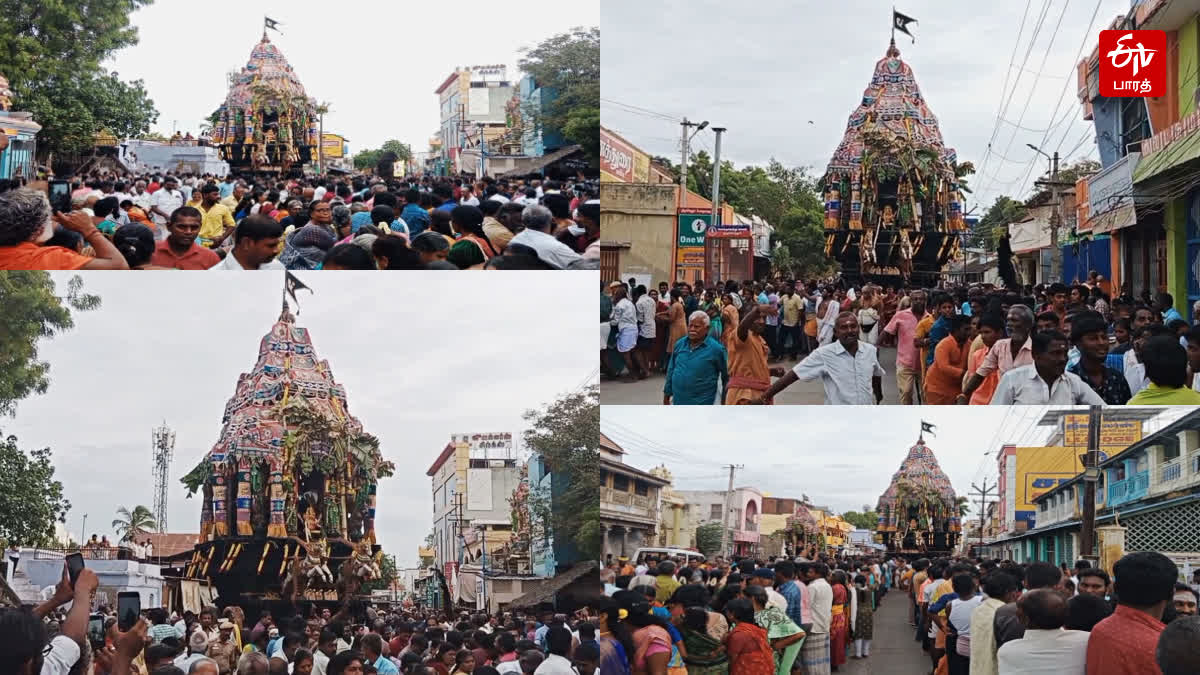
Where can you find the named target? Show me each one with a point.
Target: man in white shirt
(646, 309)
(165, 200)
(1047, 381)
(256, 241)
(1046, 649)
(765, 577)
(558, 643)
(538, 222)
(1000, 588)
(140, 197)
(814, 654)
(848, 369)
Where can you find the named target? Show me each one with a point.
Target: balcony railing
(1171, 471)
(1128, 490)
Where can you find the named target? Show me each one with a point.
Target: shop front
(1165, 191)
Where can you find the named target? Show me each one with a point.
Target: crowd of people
(356, 639)
(1049, 344)
(186, 222)
(810, 614)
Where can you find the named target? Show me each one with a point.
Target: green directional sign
(692, 228)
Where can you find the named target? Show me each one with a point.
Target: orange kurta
(983, 393)
(747, 368)
(729, 324)
(678, 325)
(943, 382)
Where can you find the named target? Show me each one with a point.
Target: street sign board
(692, 228)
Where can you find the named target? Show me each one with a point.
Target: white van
(659, 553)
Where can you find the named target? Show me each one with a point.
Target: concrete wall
(115, 576)
(641, 219)
(1188, 58)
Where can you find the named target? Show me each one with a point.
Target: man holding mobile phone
(66, 647)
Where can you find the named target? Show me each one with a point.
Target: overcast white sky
(766, 69)
(841, 457)
(421, 357)
(377, 63)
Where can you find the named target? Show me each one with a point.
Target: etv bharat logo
(1133, 63)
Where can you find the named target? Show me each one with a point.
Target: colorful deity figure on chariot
(891, 180)
(919, 512)
(267, 122)
(291, 464)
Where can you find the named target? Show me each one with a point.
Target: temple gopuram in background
(893, 201)
(919, 512)
(267, 122)
(288, 490)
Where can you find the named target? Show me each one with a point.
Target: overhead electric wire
(644, 111)
(1007, 74)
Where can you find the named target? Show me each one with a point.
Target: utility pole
(1091, 474)
(725, 515)
(983, 493)
(1055, 223)
(683, 147)
(716, 202)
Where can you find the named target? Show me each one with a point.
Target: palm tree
(132, 524)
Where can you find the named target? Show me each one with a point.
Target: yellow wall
(641, 220)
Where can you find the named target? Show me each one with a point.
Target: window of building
(479, 464)
(715, 511)
(1135, 122)
(620, 483)
(641, 488)
(1170, 451)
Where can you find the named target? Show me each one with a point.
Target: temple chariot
(919, 514)
(892, 192)
(288, 489)
(267, 124)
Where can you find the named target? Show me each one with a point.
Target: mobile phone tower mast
(163, 444)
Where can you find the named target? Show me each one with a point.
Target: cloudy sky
(783, 77)
(377, 63)
(421, 357)
(841, 457)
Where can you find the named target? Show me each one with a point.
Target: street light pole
(1055, 216)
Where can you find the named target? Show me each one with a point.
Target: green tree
(30, 311)
(366, 159)
(708, 538)
(130, 524)
(1003, 211)
(387, 569)
(31, 500)
(863, 520)
(569, 65)
(566, 434)
(403, 152)
(51, 52)
(802, 251)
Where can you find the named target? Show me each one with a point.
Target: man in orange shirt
(921, 340)
(180, 250)
(943, 382)
(26, 222)
(748, 371)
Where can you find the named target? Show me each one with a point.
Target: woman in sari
(715, 326)
(889, 305)
(677, 320)
(838, 627)
(705, 653)
(613, 638)
(746, 644)
(662, 327)
(784, 636)
(652, 645)
(729, 319)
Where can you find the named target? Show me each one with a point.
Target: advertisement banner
(1040, 470)
(333, 145)
(1113, 433)
(693, 225)
(692, 256)
(616, 158)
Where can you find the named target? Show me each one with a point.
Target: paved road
(893, 650)
(649, 391)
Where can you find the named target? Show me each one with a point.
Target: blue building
(538, 142)
(548, 555)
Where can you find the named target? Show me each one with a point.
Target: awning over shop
(1182, 150)
(1114, 220)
